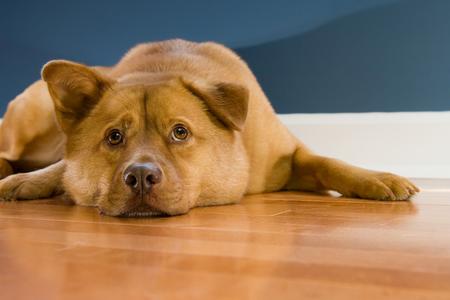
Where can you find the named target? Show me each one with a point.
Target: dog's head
(147, 144)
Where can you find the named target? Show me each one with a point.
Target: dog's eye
(180, 133)
(115, 137)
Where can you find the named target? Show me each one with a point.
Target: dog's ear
(74, 88)
(227, 101)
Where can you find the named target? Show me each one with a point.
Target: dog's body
(172, 126)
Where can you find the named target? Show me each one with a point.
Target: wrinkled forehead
(149, 103)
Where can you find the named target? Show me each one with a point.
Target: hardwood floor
(272, 246)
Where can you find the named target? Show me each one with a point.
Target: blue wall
(310, 56)
(390, 58)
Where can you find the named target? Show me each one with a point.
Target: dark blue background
(310, 56)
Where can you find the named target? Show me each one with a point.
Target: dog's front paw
(10, 187)
(23, 187)
(383, 186)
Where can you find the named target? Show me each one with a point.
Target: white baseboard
(413, 144)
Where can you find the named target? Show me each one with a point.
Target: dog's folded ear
(74, 88)
(227, 101)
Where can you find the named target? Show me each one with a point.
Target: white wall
(412, 144)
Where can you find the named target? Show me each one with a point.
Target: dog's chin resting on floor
(173, 125)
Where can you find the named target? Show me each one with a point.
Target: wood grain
(272, 246)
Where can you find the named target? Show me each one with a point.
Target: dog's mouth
(142, 214)
(143, 211)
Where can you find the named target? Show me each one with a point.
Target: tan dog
(172, 126)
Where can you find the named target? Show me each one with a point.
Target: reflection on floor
(272, 246)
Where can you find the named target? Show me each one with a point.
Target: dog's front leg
(43, 183)
(315, 173)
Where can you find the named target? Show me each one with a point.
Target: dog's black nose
(142, 176)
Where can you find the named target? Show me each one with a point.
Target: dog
(172, 126)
